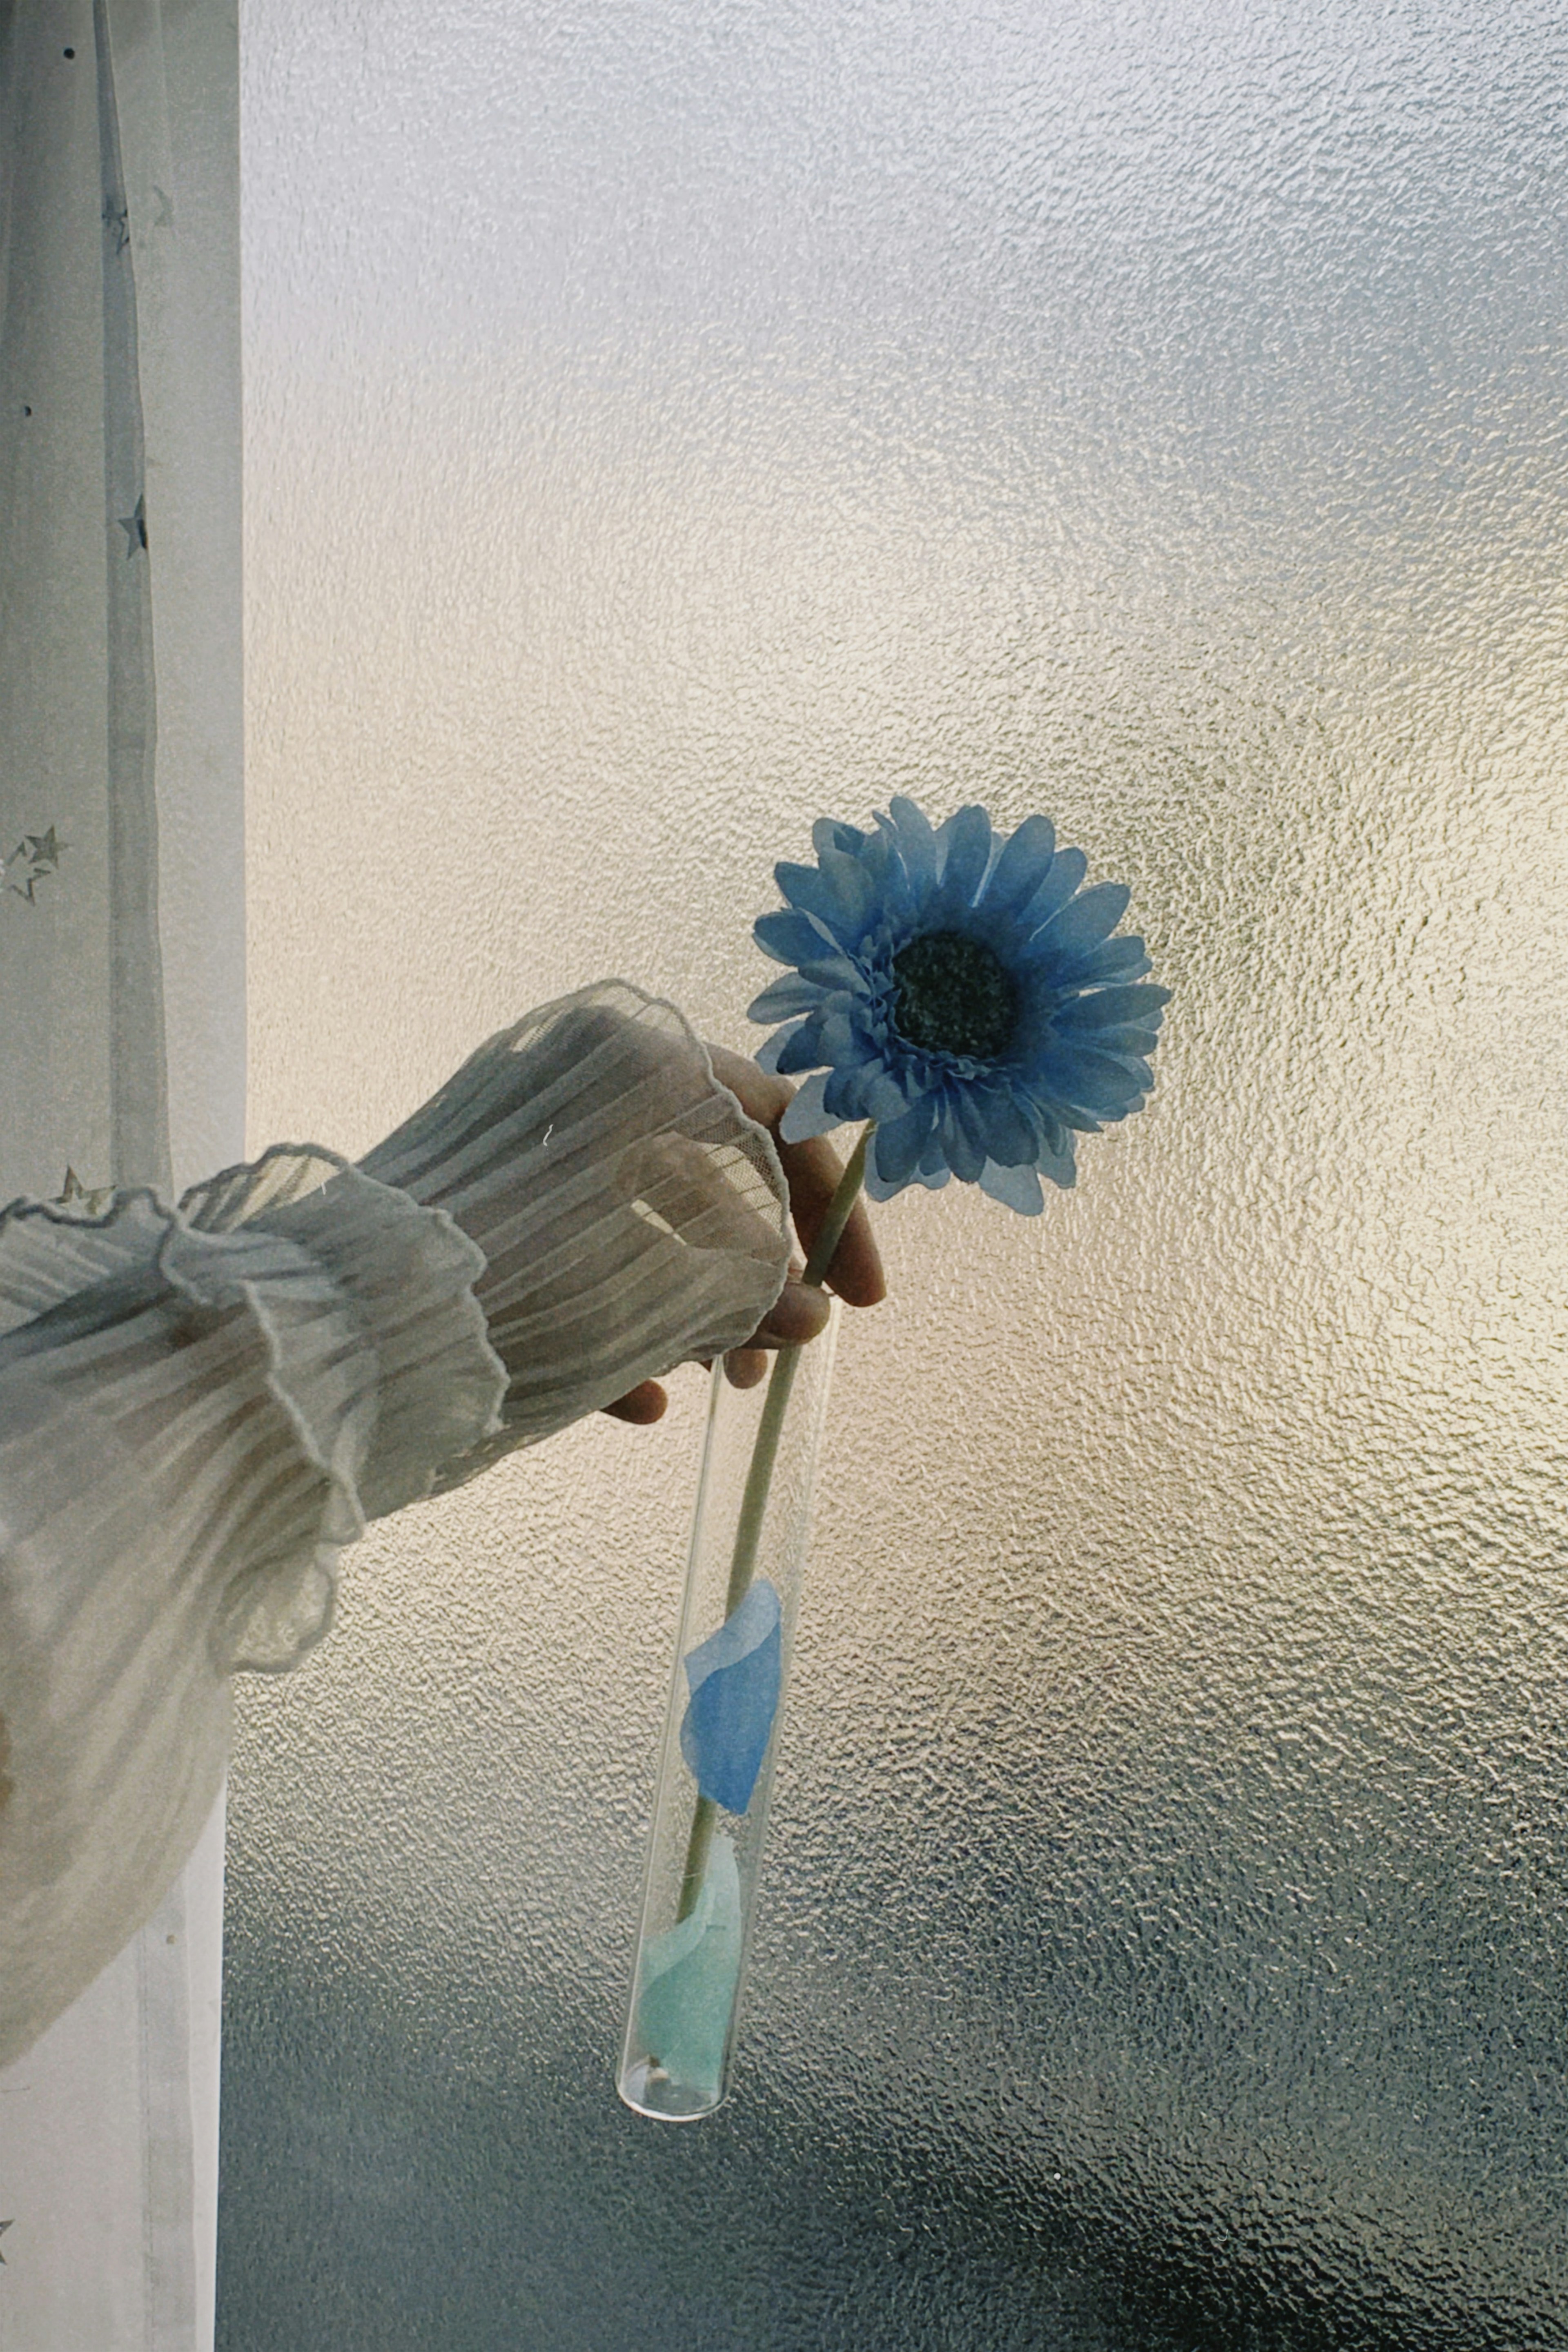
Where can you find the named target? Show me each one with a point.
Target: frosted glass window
(668, 424)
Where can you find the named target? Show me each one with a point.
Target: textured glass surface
(667, 422)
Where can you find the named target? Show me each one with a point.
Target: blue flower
(963, 992)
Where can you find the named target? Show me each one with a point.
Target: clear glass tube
(750, 1537)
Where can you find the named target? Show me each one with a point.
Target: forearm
(630, 1213)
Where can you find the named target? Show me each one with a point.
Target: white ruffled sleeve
(630, 1214)
(200, 1407)
(189, 1427)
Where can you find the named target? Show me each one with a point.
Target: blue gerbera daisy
(962, 992)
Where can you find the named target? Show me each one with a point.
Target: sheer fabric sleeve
(193, 1410)
(630, 1214)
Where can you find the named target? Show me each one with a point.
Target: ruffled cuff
(631, 1215)
(325, 1323)
(427, 1383)
(198, 1408)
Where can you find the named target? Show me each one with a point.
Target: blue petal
(806, 887)
(829, 833)
(802, 1049)
(688, 1979)
(1056, 1143)
(1133, 1059)
(1090, 1081)
(734, 1678)
(1068, 870)
(901, 898)
(967, 1116)
(1090, 918)
(1004, 1127)
(805, 1115)
(841, 1041)
(1133, 1045)
(797, 883)
(784, 997)
(886, 1096)
(790, 937)
(854, 892)
(1113, 1008)
(878, 1189)
(964, 853)
(896, 1148)
(767, 1055)
(845, 1092)
(1057, 1165)
(838, 892)
(832, 971)
(916, 843)
(961, 1148)
(1119, 959)
(1025, 861)
(1015, 1187)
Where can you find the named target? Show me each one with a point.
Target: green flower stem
(755, 1502)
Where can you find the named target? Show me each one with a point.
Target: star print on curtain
(79, 703)
(35, 856)
(121, 971)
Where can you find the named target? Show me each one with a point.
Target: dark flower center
(954, 996)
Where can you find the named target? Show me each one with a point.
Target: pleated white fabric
(200, 1407)
(631, 1216)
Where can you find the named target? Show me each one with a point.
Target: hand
(812, 1170)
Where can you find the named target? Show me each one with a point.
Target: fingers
(761, 1095)
(642, 1405)
(812, 1170)
(669, 1166)
(795, 1316)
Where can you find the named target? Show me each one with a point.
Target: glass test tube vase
(749, 1538)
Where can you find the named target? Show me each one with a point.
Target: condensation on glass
(668, 424)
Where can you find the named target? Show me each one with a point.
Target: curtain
(122, 941)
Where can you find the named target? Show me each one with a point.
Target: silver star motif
(76, 1196)
(36, 855)
(116, 218)
(134, 526)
